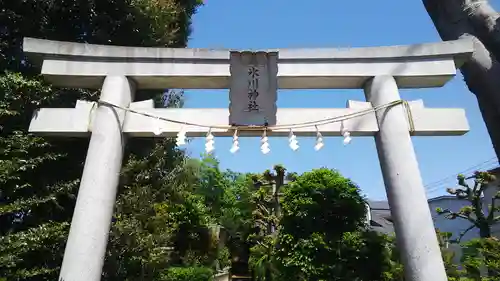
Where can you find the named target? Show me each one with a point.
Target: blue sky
(260, 24)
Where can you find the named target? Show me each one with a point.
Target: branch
(462, 234)
(478, 207)
(453, 215)
(460, 193)
(482, 188)
(465, 217)
(477, 184)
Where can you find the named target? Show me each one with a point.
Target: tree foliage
(480, 259)
(116, 22)
(481, 256)
(40, 176)
(158, 218)
(320, 233)
(36, 199)
(187, 274)
(475, 212)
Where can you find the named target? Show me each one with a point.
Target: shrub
(187, 274)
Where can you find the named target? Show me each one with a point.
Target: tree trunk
(482, 71)
(485, 230)
(268, 274)
(486, 23)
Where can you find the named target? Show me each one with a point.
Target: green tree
(479, 255)
(481, 215)
(393, 268)
(159, 220)
(453, 270)
(262, 240)
(322, 232)
(266, 216)
(237, 220)
(187, 274)
(475, 212)
(213, 185)
(39, 176)
(163, 216)
(36, 197)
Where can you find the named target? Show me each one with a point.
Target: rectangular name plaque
(253, 88)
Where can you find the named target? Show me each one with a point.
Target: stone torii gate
(120, 71)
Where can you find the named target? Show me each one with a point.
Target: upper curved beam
(84, 65)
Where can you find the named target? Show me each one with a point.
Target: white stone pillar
(88, 235)
(415, 233)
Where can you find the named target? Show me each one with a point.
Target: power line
(485, 165)
(452, 179)
(479, 166)
(470, 169)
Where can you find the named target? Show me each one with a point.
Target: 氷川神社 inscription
(253, 88)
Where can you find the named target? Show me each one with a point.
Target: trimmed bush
(187, 274)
